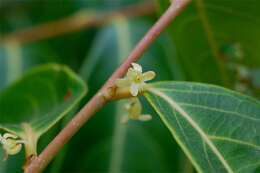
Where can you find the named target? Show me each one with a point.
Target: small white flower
(135, 79)
(10, 145)
(134, 109)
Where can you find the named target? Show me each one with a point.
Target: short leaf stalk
(108, 91)
(30, 144)
(31, 139)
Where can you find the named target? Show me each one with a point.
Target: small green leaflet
(218, 129)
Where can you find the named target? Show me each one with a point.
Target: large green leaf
(205, 30)
(218, 129)
(33, 104)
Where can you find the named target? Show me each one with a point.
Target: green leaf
(218, 129)
(33, 104)
(205, 30)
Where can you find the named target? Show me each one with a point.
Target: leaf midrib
(195, 126)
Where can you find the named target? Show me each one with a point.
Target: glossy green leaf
(218, 129)
(39, 99)
(210, 35)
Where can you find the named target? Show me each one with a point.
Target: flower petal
(8, 135)
(11, 145)
(127, 107)
(14, 150)
(134, 89)
(148, 75)
(137, 67)
(145, 117)
(124, 119)
(122, 82)
(131, 73)
(136, 109)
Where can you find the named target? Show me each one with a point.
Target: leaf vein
(235, 141)
(220, 110)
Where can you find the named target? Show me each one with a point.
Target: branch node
(108, 93)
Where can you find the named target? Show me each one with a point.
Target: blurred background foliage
(211, 41)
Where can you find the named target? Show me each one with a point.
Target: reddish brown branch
(98, 101)
(78, 21)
